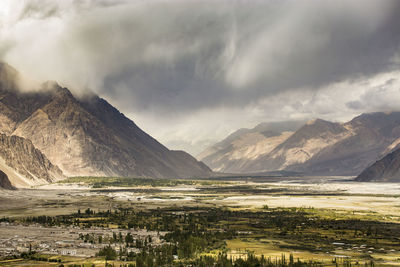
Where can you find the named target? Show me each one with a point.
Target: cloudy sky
(191, 72)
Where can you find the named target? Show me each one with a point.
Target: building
(69, 252)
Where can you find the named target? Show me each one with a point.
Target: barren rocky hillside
(317, 148)
(87, 136)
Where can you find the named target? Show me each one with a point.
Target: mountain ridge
(320, 147)
(386, 169)
(87, 136)
(223, 157)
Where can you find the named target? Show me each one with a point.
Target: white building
(71, 252)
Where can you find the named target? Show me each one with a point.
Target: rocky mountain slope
(386, 169)
(322, 148)
(5, 182)
(88, 136)
(244, 145)
(22, 164)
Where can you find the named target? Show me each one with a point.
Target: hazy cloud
(173, 65)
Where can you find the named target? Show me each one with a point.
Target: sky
(191, 72)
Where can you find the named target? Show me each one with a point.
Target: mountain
(245, 145)
(88, 136)
(21, 164)
(324, 148)
(386, 169)
(5, 182)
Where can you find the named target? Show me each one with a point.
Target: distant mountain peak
(232, 153)
(318, 121)
(313, 121)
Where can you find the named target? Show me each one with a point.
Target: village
(235, 222)
(69, 241)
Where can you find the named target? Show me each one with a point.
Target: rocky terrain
(386, 169)
(22, 164)
(5, 182)
(87, 136)
(317, 148)
(234, 152)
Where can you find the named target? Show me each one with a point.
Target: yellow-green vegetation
(193, 232)
(340, 214)
(223, 223)
(63, 261)
(101, 182)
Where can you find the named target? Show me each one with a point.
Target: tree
(128, 239)
(108, 252)
(88, 211)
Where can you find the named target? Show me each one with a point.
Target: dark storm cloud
(356, 105)
(187, 61)
(192, 55)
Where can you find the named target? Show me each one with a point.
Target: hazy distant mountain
(245, 145)
(386, 169)
(88, 136)
(320, 147)
(368, 138)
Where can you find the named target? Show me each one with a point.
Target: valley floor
(326, 221)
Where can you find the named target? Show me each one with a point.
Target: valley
(316, 221)
(173, 133)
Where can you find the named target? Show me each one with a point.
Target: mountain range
(49, 134)
(85, 136)
(318, 147)
(234, 152)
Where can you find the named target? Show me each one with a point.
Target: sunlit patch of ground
(384, 205)
(271, 248)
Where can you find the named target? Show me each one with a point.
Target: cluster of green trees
(108, 252)
(252, 261)
(201, 224)
(193, 231)
(49, 220)
(183, 244)
(6, 219)
(127, 240)
(160, 256)
(32, 255)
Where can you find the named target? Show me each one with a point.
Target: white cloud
(190, 72)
